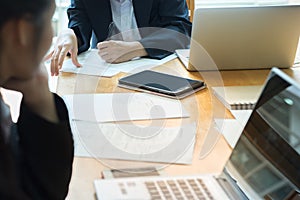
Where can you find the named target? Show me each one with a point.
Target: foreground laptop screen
(266, 161)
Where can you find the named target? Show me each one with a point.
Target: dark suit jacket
(87, 16)
(36, 161)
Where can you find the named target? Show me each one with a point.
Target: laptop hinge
(230, 186)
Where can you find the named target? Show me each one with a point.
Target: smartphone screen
(162, 83)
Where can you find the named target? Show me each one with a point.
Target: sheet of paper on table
(132, 142)
(93, 64)
(233, 128)
(109, 107)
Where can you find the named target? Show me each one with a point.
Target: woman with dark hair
(36, 153)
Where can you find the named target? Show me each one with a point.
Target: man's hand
(66, 42)
(119, 51)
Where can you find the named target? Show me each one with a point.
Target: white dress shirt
(124, 19)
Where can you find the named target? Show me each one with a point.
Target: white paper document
(183, 55)
(93, 64)
(132, 142)
(241, 116)
(109, 107)
(233, 128)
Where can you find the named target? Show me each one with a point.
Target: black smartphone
(162, 84)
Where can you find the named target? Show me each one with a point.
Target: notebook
(244, 37)
(238, 97)
(265, 162)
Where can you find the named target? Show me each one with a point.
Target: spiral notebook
(238, 97)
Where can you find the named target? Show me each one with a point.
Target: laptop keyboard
(178, 189)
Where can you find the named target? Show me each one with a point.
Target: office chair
(191, 6)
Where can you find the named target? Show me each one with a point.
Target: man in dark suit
(162, 25)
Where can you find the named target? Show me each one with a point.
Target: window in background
(242, 2)
(60, 18)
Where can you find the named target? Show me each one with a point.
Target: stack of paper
(154, 142)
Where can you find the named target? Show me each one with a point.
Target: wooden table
(211, 149)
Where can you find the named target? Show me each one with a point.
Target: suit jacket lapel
(142, 9)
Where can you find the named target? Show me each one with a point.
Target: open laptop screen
(266, 161)
(244, 37)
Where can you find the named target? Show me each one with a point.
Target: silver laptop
(265, 163)
(226, 38)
